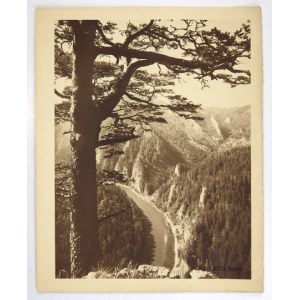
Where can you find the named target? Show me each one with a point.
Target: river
(161, 230)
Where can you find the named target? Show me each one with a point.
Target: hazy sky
(218, 94)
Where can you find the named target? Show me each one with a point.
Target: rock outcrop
(143, 271)
(147, 272)
(199, 274)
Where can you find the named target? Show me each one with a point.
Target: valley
(161, 230)
(198, 175)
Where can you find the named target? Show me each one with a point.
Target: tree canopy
(136, 67)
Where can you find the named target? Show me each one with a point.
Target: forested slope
(210, 204)
(121, 230)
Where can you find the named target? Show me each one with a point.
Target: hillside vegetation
(197, 172)
(211, 206)
(122, 231)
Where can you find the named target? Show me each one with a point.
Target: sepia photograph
(150, 148)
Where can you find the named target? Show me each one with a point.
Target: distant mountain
(199, 174)
(181, 143)
(220, 126)
(147, 160)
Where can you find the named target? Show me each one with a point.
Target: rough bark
(86, 119)
(84, 134)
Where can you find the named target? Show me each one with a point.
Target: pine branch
(119, 88)
(153, 56)
(103, 36)
(114, 214)
(61, 95)
(134, 98)
(132, 37)
(117, 140)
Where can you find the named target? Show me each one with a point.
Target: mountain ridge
(152, 158)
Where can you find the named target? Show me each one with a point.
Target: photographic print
(149, 149)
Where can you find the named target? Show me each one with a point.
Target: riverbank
(166, 253)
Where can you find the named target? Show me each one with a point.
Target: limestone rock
(90, 275)
(199, 274)
(148, 271)
(163, 272)
(124, 273)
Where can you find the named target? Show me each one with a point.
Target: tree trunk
(84, 238)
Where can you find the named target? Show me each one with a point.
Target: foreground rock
(153, 271)
(143, 271)
(147, 272)
(199, 274)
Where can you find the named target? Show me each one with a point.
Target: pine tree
(125, 95)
